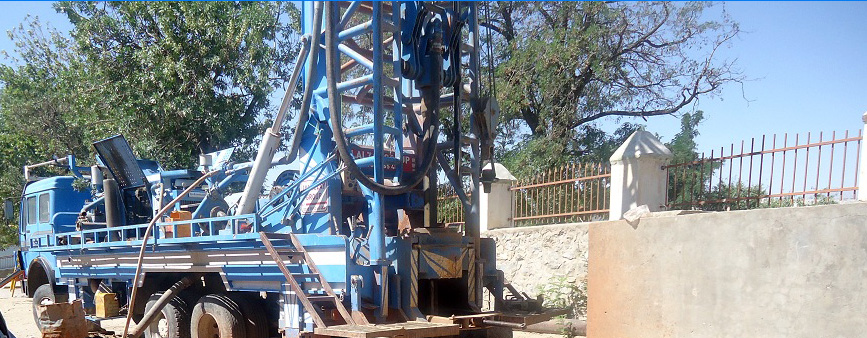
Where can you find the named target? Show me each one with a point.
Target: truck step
(305, 275)
(321, 298)
(327, 296)
(278, 236)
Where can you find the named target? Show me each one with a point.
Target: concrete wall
(788, 272)
(531, 257)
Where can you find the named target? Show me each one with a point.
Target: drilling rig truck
(346, 243)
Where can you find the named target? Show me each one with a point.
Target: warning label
(316, 201)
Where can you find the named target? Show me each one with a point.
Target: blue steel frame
(387, 255)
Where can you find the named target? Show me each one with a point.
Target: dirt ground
(18, 313)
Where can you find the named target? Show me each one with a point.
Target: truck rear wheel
(44, 295)
(217, 316)
(172, 322)
(253, 312)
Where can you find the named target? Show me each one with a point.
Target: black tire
(253, 311)
(172, 322)
(217, 316)
(45, 292)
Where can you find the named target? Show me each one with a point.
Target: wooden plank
(404, 330)
(17, 275)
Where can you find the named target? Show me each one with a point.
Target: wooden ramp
(403, 330)
(17, 275)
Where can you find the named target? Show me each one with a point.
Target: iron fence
(450, 210)
(576, 192)
(768, 172)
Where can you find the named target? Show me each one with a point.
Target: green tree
(560, 66)
(683, 147)
(177, 78)
(690, 180)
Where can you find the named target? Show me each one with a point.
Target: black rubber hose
(430, 109)
(304, 113)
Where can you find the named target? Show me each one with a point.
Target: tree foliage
(176, 78)
(683, 146)
(688, 182)
(560, 66)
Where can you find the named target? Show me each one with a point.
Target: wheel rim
(208, 327)
(159, 328)
(45, 301)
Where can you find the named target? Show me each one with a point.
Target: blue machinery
(347, 240)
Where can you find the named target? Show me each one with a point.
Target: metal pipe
(144, 242)
(151, 314)
(96, 177)
(114, 216)
(162, 190)
(271, 139)
(293, 82)
(312, 63)
(34, 166)
(87, 207)
(94, 223)
(559, 326)
(377, 219)
(500, 323)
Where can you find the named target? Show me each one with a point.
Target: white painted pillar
(862, 167)
(495, 207)
(637, 177)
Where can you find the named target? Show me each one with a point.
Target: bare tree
(562, 65)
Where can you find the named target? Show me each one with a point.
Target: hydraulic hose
(430, 108)
(306, 97)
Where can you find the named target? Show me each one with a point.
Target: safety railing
(576, 192)
(181, 231)
(773, 171)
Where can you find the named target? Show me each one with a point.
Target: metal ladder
(312, 302)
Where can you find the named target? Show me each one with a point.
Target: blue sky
(809, 65)
(808, 62)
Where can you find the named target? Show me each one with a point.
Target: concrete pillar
(495, 207)
(862, 170)
(637, 177)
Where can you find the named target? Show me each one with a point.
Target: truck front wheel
(44, 295)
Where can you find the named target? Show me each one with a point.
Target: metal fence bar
(701, 183)
(573, 192)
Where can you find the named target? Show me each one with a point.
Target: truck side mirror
(8, 210)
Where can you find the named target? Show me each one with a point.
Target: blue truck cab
(48, 206)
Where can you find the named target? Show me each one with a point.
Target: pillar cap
(503, 174)
(641, 144)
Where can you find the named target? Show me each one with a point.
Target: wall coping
(675, 213)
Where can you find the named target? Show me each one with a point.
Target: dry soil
(18, 313)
